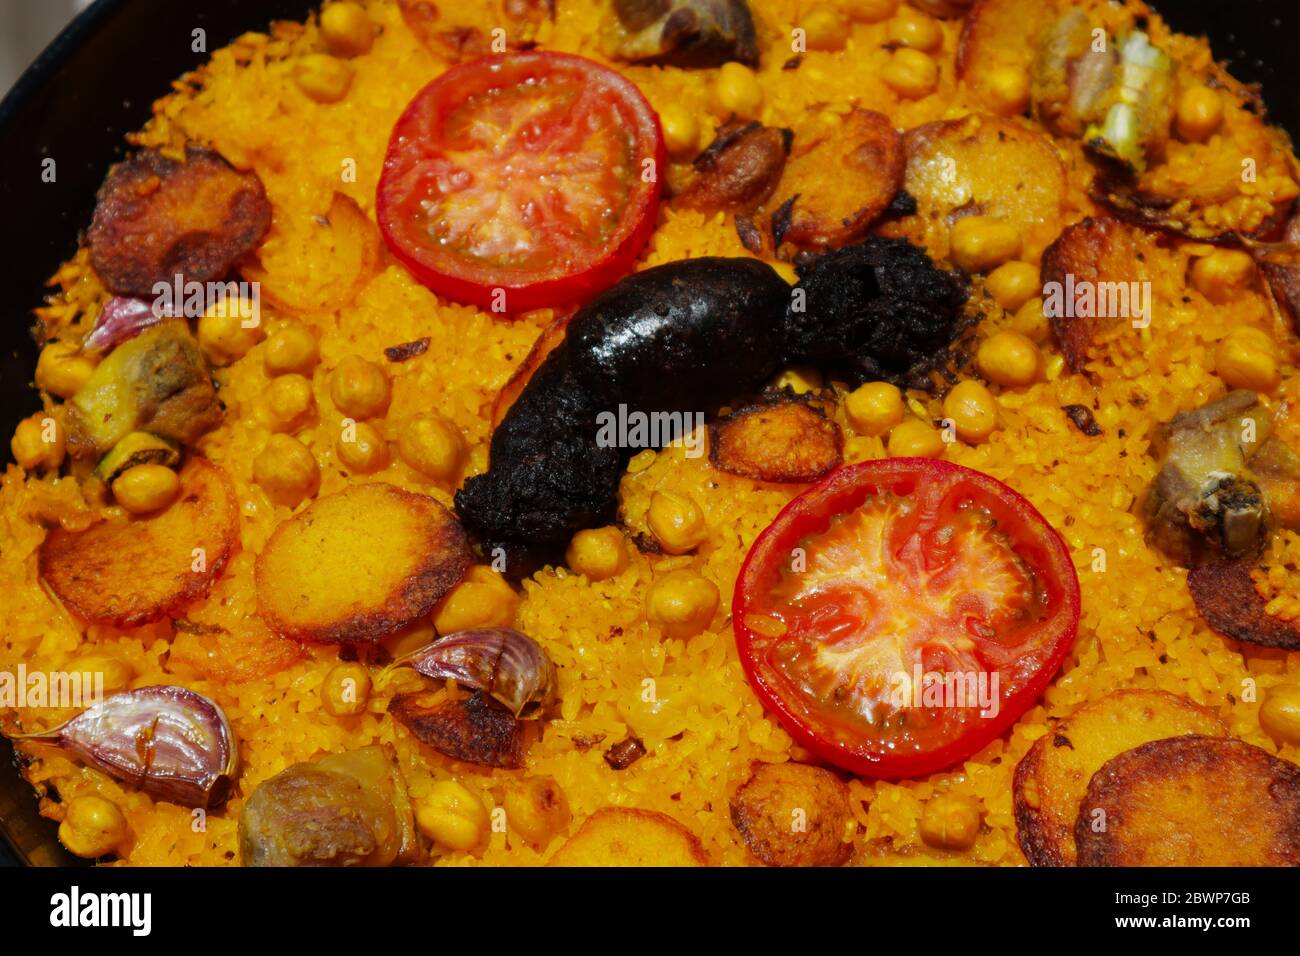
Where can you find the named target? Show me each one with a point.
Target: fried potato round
(1000, 34)
(546, 343)
(156, 219)
(1225, 596)
(1099, 254)
(984, 165)
(623, 836)
(359, 564)
(1053, 777)
(788, 440)
(318, 265)
(841, 182)
(1191, 801)
(475, 730)
(131, 572)
(791, 814)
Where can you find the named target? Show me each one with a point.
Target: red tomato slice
(525, 172)
(903, 613)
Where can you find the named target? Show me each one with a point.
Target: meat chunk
(792, 814)
(347, 809)
(475, 730)
(156, 219)
(739, 170)
(686, 32)
(157, 382)
(1191, 801)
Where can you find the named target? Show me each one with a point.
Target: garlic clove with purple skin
(171, 742)
(503, 663)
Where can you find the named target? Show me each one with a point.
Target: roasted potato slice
(984, 165)
(840, 183)
(1101, 254)
(1052, 778)
(133, 571)
(1000, 34)
(318, 265)
(1191, 801)
(475, 730)
(156, 219)
(623, 836)
(546, 343)
(791, 814)
(359, 564)
(1225, 597)
(788, 440)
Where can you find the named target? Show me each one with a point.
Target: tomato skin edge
(574, 289)
(883, 766)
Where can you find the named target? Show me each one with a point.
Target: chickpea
(361, 448)
(482, 599)
(288, 402)
(824, 29)
(38, 442)
(1246, 359)
(1007, 90)
(291, 349)
(536, 809)
(800, 379)
(115, 673)
(433, 446)
(1009, 359)
(911, 74)
(973, 411)
(681, 603)
(950, 822)
(1199, 113)
(870, 11)
(598, 553)
(92, 827)
(1012, 284)
(452, 816)
(224, 334)
(915, 30)
(62, 370)
(681, 131)
(1222, 274)
(874, 408)
(737, 91)
(1031, 322)
(676, 521)
(287, 470)
(346, 689)
(914, 438)
(347, 29)
(980, 243)
(322, 78)
(1279, 714)
(359, 388)
(144, 488)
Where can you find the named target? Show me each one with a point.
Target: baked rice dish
(672, 432)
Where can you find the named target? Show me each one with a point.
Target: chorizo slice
(156, 219)
(1225, 596)
(788, 440)
(1053, 777)
(129, 572)
(841, 183)
(475, 730)
(739, 170)
(624, 836)
(791, 814)
(359, 564)
(1191, 801)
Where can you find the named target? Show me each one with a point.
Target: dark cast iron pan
(96, 82)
